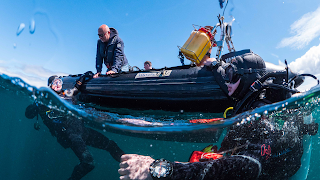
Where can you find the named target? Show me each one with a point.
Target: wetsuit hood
(51, 78)
(248, 67)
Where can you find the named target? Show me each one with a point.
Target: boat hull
(181, 88)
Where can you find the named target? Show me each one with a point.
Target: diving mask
(56, 84)
(231, 75)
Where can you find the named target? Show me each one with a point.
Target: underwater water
(28, 154)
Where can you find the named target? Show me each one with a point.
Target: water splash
(20, 28)
(32, 26)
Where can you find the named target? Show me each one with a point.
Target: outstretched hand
(135, 167)
(110, 72)
(96, 75)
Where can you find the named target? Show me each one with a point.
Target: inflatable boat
(187, 88)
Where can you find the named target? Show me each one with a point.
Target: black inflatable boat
(188, 88)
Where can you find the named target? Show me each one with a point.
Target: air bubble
(20, 28)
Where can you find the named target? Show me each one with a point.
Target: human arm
(118, 57)
(98, 59)
(136, 167)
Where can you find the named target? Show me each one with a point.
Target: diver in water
(55, 84)
(72, 133)
(253, 150)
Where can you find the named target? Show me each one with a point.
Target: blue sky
(65, 35)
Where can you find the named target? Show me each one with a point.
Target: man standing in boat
(110, 51)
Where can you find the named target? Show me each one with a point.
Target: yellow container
(196, 46)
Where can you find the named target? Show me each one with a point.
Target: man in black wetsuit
(110, 50)
(71, 133)
(255, 150)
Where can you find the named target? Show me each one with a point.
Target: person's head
(147, 65)
(242, 72)
(55, 83)
(104, 33)
(232, 87)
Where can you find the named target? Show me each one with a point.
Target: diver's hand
(110, 72)
(209, 61)
(135, 167)
(96, 75)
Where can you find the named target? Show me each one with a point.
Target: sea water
(28, 154)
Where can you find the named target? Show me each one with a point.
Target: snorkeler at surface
(255, 150)
(55, 84)
(72, 133)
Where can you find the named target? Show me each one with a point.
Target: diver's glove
(71, 92)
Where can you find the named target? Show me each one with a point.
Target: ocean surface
(28, 154)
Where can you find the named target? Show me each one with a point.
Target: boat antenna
(225, 7)
(287, 69)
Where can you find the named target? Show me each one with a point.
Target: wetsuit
(71, 133)
(261, 149)
(111, 53)
(84, 77)
(256, 150)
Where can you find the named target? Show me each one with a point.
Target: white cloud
(308, 63)
(33, 75)
(304, 30)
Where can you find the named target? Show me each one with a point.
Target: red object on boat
(204, 120)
